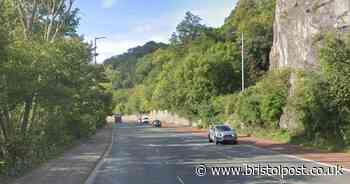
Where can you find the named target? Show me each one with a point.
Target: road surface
(142, 154)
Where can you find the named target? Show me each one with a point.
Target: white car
(145, 120)
(222, 134)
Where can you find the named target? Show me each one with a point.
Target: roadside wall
(169, 117)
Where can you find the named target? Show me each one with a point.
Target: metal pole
(95, 47)
(243, 62)
(95, 51)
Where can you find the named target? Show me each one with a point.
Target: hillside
(201, 65)
(126, 63)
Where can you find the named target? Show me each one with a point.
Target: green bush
(322, 99)
(262, 105)
(248, 109)
(319, 120)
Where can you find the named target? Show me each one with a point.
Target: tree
(254, 18)
(189, 29)
(49, 93)
(51, 18)
(126, 63)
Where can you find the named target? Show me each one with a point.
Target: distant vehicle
(157, 124)
(139, 121)
(118, 118)
(145, 120)
(222, 134)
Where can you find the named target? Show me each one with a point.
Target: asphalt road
(146, 155)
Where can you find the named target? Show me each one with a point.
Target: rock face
(298, 24)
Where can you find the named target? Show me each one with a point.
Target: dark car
(117, 118)
(157, 123)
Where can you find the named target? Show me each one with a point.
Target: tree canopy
(200, 63)
(50, 94)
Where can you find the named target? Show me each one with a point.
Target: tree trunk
(3, 126)
(27, 109)
(35, 108)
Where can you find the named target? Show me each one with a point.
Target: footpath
(74, 166)
(309, 154)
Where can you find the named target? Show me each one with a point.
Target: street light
(95, 47)
(243, 62)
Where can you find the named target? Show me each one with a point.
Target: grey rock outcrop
(297, 25)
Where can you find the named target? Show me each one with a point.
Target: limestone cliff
(298, 23)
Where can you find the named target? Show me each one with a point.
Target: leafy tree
(48, 20)
(189, 29)
(49, 93)
(254, 18)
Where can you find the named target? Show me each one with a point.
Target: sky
(129, 23)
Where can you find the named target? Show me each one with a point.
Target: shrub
(322, 99)
(262, 105)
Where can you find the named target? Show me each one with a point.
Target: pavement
(142, 154)
(74, 166)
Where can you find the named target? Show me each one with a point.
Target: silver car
(222, 134)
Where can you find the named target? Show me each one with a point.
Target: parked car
(145, 120)
(222, 134)
(118, 118)
(157, 124)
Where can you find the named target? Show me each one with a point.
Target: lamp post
(243, 62)
(95, 47)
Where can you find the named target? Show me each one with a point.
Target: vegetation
(262, 105)
(125, 64)
(199, 76)
(49, 93)
(202, 65)
(323, 100)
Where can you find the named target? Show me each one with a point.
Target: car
(145, 120)
(222, 134)
(118, 118)
(157, 124)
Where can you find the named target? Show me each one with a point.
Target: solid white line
(298, 158)
(313, 161)
(180, 180)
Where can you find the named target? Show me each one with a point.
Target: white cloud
(108, 3)
(213, 18)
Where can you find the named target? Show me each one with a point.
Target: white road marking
(180, 180)
(298, 158)
(315, 162)
(177, 145)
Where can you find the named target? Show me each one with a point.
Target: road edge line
(298, 158)
(90, 179)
